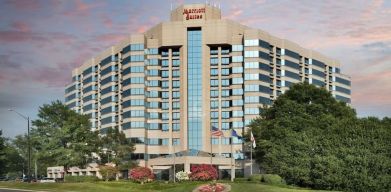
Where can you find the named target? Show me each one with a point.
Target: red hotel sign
(194, 13)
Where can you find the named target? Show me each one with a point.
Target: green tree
(313, 140)
(116, 148)
(63, 137)
(11, 161)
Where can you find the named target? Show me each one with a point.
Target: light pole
(28, 141)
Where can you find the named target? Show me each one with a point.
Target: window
(165, 94)
(165, 116)
(237, 69)
(225, 82)
(237, 124)
(237, 113)
(225, 93)
(237, 80)
(238, 102)
(133, 91)
(251, 42)
(152, 62)
(176, 116)
(153, 83)
(153, 72)
(251, 88)
(251, 76)
(225, 114)
(176, 126)
(153, 94)
(214, 115)
(153, 115)
(251, 99)
(153, 51)
(237, 91)
(133, 102)
(225, 104)
(165, 74)
(252, 111)
(237, 47)
(133, 125)
(165, 105)
(176, 105)
(133, 113)
(176, 94)
(251, 54)
(214, 72)
(165, 63)
(225, 60)
(165, 84)
(176, 84)
(214, 104)
(176, 62)
(175, 73)
(137, 47)
(225, 126)
(214, 93)
(214, 82)
(214, 61)
(153, 104)
(225, 72)
(342, 81)
(133, 80)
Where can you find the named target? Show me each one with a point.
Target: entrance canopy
(189, 157)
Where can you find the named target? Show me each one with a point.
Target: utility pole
(28, 142)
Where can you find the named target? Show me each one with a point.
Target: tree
(63, 137)
(11, 161)
(313, 140)
(117, 149)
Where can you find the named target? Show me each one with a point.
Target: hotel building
(167, 87)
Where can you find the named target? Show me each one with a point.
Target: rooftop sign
(194, 13)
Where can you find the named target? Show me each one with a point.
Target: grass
(150, 187)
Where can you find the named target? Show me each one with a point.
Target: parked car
(47, 180)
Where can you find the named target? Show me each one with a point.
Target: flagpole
(232, 158)
(211, 154)
(251, 160)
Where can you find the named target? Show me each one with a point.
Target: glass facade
(194, 88)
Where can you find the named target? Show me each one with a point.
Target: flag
(234, 134)
(253, 140)
(217, 132)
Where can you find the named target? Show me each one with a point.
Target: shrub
(141, 174)
(79, 179)
(203, 173)
(108, 172)
(272, 179)
(240, 180)
(182, 176)
(255, 177)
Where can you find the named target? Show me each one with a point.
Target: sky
(41, 41)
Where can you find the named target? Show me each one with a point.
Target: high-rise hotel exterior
(167, 87)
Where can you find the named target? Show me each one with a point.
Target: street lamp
(28, 141)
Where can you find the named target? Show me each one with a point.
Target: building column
(187, 167)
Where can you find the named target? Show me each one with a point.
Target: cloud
(30, 5)
(29, 37)
(21, 26)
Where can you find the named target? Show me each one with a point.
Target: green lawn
(152, 187)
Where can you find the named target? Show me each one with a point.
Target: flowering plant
(203, 173)
(213, 187)
(182, 176)
(141, 174)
